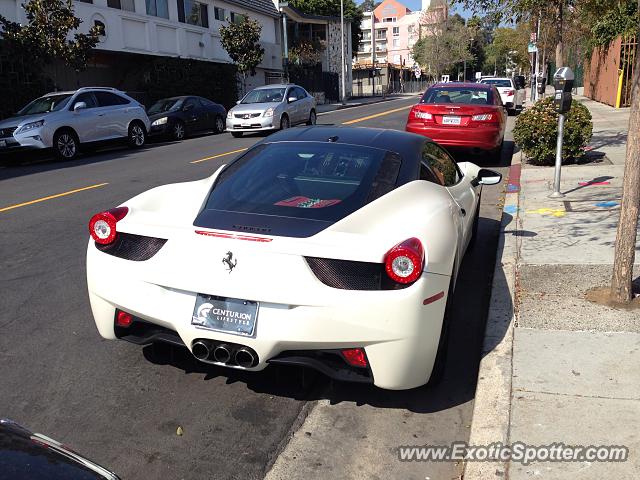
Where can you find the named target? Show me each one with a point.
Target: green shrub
(536, 132)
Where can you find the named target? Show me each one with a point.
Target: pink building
(396, 30)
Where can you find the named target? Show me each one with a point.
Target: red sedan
(467, 115)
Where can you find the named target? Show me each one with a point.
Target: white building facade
(186, 29)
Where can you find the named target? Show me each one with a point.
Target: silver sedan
(272, 107)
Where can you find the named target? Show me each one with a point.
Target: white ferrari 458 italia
(333, 248)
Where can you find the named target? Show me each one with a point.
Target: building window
(389, 20)
(158, 8)
(128, 5)
(381, 35)
(396, 42)
(218, 13)
(396, 31)
(86, 1)
(193, 13)
(237, 18)
(396, 59)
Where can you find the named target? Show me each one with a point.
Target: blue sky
(416, 4)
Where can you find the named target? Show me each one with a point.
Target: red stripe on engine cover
(233, 236)
(432, 299)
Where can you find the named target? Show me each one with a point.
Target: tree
(331, 8)
(509, 46)
(241, 41)
(45, 36)
(625, 248)
(440, 47)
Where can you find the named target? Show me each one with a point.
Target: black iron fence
(313, 79)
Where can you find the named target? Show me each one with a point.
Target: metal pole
(373, 53)
(537, 58)
(285, 45)
(464, 70)
(556, 180)
(344, 87)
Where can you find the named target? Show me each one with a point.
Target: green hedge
(536, 132)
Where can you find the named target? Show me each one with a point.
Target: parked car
(335, 248)
(272, 107)
(25, 455)
(467, 115)
(512, 96)
(178, 117)
(66, 121)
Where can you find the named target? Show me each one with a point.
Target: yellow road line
(219, 155)
(376, 115)
(50, 197)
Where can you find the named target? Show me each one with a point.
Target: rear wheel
(137, 135)
(236, 134)
(66, 144)
(312, 118)
(437, 373)
(284, 122)
(219, 125)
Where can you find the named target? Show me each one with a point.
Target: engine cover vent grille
(137, 248)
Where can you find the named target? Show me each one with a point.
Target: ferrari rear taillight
(404, 262)
(102, 226)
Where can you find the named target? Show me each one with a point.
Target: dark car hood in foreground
(31, 456)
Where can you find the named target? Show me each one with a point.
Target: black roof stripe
(262, 6)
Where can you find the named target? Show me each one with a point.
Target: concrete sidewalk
(573, 376)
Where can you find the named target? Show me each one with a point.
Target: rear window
(457, 95)
(497, 82)
(307, 180)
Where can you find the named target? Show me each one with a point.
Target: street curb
(492, 404)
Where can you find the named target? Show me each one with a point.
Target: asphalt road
(121, 404)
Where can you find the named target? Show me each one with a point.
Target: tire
(437, 373)
(474, 227)
(284, 122)
(66, 144)
(511, 112)
(137, 135)
(236, 134)
(219, 125)
(177, 131)
(312, 118)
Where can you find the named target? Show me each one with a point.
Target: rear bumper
(398, 333)
(483, 138)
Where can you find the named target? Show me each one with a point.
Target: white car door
(459, 187)
(116, 109)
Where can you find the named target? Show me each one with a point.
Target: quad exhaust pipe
(245, 358)
(221, 353)
(200, 350)
(210, 351)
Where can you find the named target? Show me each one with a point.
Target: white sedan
(332, 248)
(511, 96)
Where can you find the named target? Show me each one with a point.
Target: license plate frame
(233, 316)
(451, 120)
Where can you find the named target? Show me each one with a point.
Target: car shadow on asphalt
(487, 159)
(470, 305)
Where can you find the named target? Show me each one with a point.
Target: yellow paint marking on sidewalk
(555, 212)
(376, 115)
(51, 197)
(220, 155)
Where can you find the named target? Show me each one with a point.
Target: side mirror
(79, 106)
(292, 99)
(487, 177)
(238, 102)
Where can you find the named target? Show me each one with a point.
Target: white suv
(66, 120)
(511, 97)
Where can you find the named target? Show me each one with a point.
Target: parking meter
(542, 85)
(563, 83)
